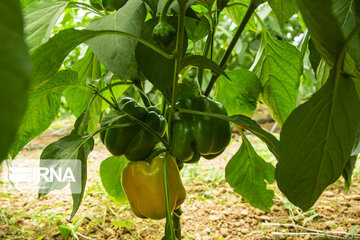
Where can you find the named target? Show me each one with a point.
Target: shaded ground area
(211, 211)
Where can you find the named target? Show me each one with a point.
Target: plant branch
(252, 7)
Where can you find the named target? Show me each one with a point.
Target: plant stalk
(252, 7)
(178, 59)
(177, 68)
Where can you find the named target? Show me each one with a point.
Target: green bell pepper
(133, 141)
(197, 135)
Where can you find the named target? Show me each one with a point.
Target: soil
(211, 211)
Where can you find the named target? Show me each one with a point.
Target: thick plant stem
(177, 68)
(253, 5)
(178, 59)
(177, 224)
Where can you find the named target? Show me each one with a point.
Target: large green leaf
(39, 19)
(78, 98)
(83, 153)
(197, 29)
(25, 3)
(149, 60)
(42, 108)
(240, 95)
(237, 12)
(115, 51)
(283, 9)
(249, 174)
(14, 72)
(316, 141)
(110, 173)
(349, 17)
(71, 147)
(323, 27)
(47, 58)
(278, 66)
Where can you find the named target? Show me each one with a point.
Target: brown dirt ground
(211, 211)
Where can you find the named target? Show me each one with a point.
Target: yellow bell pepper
(143, 184)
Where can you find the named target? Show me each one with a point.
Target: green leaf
(252, 126)
(117, 90)
(348, 172)
(323, 27)
(248, 174)
(77, 98)
(71, 147)
(149, 60)
(348, 17)
(283, 9)
(47, 58)
(129, 19)
(65, 148)
(322, 73)
(42, 108)
(83, 153)
(240, 95)
(279, 67)
(237, 12)
(40, 18)
(203, 63)
(110, 173)
(14, 71)
(64, 231)
(197, 29)
(317, 140)
(25, 3)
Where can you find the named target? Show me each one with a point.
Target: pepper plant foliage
(319, 140)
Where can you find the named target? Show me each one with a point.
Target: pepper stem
(165, 10)
(169, 227)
